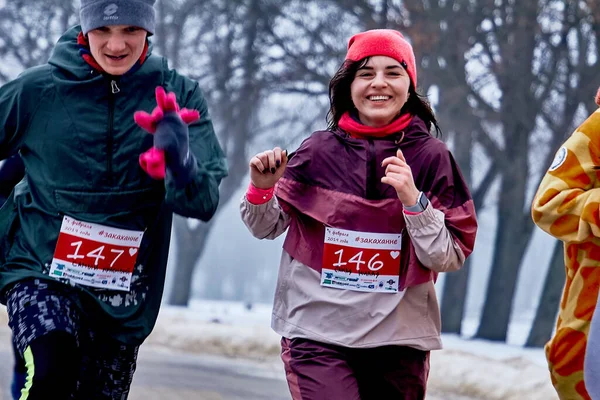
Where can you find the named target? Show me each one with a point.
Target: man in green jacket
(85, 236)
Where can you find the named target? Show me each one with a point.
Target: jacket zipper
(114, 89)
(372, 172)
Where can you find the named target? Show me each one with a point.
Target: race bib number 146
(363, 261)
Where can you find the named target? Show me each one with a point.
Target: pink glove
(153, 161)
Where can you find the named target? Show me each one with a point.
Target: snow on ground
(484, 370)
(225, 328)
(475, 369)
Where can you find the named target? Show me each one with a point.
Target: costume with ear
(566, 206)
(171, 151)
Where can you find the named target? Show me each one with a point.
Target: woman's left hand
(399, 176)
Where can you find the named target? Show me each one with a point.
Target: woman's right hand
(267, 167)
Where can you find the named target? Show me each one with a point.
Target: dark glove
(171, 139)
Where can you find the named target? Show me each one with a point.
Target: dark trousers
(319, 371)
(19, 373)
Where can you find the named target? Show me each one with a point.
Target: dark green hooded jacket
(80, 146)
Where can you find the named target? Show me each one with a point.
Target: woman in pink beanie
(374, 208)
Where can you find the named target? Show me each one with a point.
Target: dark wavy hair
(340, 98)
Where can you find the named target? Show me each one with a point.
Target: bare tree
(509, 41)
(431, 26)
(232, 40)
(28, 31)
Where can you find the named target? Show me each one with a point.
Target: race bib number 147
(95, 255)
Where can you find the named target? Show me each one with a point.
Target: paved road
(162, 374)
(175, 376)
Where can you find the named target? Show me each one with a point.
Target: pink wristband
(412, 212)
(258, 196)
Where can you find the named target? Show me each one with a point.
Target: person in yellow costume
(566, 206)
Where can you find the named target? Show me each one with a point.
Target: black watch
(422, 202)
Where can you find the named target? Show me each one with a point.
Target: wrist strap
(258, 196)
(422, 203)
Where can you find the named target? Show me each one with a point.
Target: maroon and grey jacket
(334, 180)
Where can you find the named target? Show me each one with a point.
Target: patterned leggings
(65, 358)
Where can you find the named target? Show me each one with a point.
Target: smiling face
(379, 90)
(117, 48)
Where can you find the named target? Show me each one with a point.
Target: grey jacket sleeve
(591, 365)
(433, 243)
(264, 221)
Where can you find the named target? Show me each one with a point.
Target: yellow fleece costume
(567, 206)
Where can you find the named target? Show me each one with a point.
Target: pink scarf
(358, 130)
